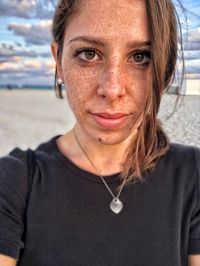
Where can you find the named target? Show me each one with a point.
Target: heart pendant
(116, 205)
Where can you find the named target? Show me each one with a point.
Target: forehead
(110, 18)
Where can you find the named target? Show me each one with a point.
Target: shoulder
(14, 164)
(14, 173)
(180, 149)
(181, 162)
(13, 196)
(18, 170)
(48, 148)
(180, 154)
(17, 166)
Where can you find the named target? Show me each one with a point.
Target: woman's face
(105, 65)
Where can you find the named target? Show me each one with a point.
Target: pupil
(138, 57)
(90, 54)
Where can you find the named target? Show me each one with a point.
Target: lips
(110, 121)
(111, 116)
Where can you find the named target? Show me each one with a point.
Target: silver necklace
(116, 204)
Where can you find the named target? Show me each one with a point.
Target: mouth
(110, 121)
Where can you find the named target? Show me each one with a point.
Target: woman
(112, 191)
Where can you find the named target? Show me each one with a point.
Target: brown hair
(151, 142)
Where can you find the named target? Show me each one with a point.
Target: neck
(107, 159)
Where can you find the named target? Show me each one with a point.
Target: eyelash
(145, 53)
(82, 50)
(142, 52)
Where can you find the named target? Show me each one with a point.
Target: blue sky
(25, 37)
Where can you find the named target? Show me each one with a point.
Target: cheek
(140, 87)
(80, 86)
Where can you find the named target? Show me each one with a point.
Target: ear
(54, 51)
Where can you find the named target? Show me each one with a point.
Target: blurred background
(29, 110)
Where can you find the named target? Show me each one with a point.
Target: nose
(112, 84)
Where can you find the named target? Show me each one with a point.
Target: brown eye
(89, 55)
(139, 58)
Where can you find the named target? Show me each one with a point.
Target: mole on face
(100, 139)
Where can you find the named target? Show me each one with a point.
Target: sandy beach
(29, 117)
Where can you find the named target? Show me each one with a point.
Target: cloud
(192, 55)
(27, 9)
(192, 76)
(26, 79)
(28, 65)
(192, 68)
(38, 34)
(17, 8)
(191, 46)
(4, 60)
(10, 51)
(192, 40)
(194, 35)
(18, 71)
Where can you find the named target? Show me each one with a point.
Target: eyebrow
(88, 39)
(99, 42)
(135, 44)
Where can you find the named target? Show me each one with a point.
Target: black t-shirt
(62, 216)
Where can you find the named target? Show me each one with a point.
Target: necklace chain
(103, 180)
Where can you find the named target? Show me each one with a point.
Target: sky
(25, 36)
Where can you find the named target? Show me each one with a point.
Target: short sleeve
(194, 238)
(13, 193)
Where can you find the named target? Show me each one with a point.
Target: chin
(112, 138)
